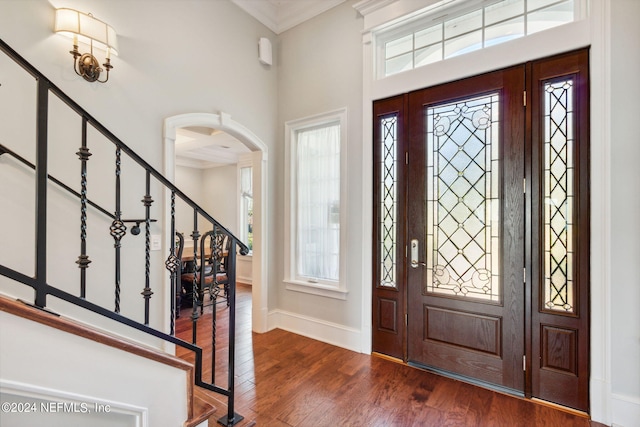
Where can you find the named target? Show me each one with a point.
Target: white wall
(625, 211)
(220, 194)
(175, 57)
(214, 189)
(320, 71)
(189, 180)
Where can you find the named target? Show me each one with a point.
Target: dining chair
(214, 278)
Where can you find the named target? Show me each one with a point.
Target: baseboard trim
(600, 401)
(625, 410)
(318, 329)
(244, 280)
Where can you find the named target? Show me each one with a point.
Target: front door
(486, 232)
(466, 228)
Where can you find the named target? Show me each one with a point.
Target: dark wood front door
(466, 228)
(481, 229)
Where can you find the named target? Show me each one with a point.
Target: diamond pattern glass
(388, 198)
(463, 198)
(558, 197)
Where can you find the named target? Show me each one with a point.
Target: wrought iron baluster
(216, 245)
(83, 259)
(41, 193)
(118, 231)
(214, 294)
(147, 292)
(232, 417)
(173, 264)
(195, 297)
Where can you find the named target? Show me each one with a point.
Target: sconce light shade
(82, 27)
(86, 28)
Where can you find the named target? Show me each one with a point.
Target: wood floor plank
(287, 380)
(478, 403)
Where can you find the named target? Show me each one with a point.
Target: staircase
(83, 271)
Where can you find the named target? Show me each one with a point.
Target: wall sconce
(87, 29)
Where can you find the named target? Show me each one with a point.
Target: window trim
(439, 15)
(332, 289)
(244, 161)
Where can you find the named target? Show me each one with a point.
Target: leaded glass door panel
(389, 234)
(560, 239)
(466, 226)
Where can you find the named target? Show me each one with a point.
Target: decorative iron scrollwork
(172, 263)
(118, 231)
(217, 250)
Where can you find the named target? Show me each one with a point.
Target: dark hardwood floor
(284, 379)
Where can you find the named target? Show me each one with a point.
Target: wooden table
(187, 253)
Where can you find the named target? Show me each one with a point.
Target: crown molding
(264, 11)
(365, 7)
(294, 12)
(282, 15)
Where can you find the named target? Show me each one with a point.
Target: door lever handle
(414, 254)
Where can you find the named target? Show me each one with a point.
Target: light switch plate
(156, 242)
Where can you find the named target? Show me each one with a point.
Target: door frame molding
(223, 122)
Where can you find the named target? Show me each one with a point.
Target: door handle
(414, 254)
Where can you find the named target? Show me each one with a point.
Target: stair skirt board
(15, 389)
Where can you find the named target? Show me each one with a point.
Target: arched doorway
(223, 122)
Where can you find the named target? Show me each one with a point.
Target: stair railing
(118, 230)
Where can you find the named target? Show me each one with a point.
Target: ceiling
(202, 148)
(281, 15)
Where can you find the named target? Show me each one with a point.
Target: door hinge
(406, 319)
(524, 98)
(406, 157)
(524, 185)
(524, 363)
(524, 275)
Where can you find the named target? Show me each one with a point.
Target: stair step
(202, 410)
